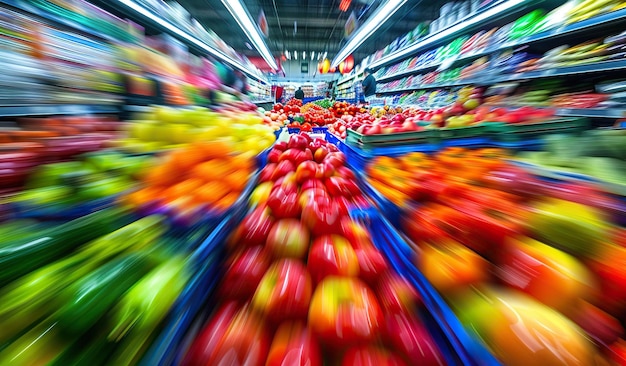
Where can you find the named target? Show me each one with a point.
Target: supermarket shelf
(52, 109)
(143, 15)
(609, 113)
(349, 78)
(555, 33)
(493, 79)
(469, 23)
(263, 101)
(25, 7)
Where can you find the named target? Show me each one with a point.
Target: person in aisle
(299, 94)
(369, 85)
(241, 82)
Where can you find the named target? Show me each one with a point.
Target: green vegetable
(88, 299)
(93, 350)
(141, 310)
(21, 256)
(35, 295)
(37, 347)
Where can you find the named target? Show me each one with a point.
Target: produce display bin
(358, 158)
(511, 132)
(195, 301)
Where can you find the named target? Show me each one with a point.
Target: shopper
(299, 93)
(369, 85)
(241, 82)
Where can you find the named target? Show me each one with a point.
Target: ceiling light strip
(243, 18)
(458, 28)
(370, 26)
(173, 29)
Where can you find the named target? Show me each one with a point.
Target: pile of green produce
(94, 176)
(597, 153)
(90, 291)
(324, 103)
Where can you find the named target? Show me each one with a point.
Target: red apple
(298, 142)
(243, 274)
(280, 146)
(344, 311)
(254, 229)
(266, 173)
(346, 173)
(282, 169)
(332, 255)
(284, 292)
(320, 154)
(357, 234)
(234, 336)
(370, 356)
(312, 183)
(322, 217)
(294, 345)
(273, 155)
(283, 201)
(336, 159)
(372, 264)
(306, 171)
(406, 334)
(288, 239)
(396, 294)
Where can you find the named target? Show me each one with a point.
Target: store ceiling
(319, 24)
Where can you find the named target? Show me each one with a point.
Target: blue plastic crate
(470, 142)
(321, 129)
(387, 208)
(462, 348)
(524, 145)
(293, 129)
(195, 301)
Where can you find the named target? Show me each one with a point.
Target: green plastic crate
(508, 132)
(395, 139)
(478, 130)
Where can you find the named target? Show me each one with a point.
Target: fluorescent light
(295, 55)
(319, 56)
(303, 55)
(172, 28)
(325, 54)
(374, 22)
(243, 18)
(312, 55)
(288, 55)
(480, 17)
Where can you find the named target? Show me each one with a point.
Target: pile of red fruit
(340, 109)
(316, 115)
(304, 283)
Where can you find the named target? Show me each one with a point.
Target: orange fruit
(212, 192)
